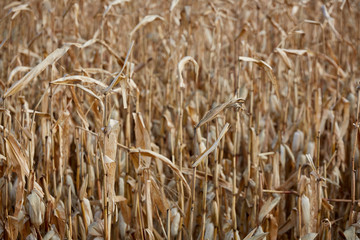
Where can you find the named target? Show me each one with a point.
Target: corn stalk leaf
(52, 58)
(165, 160)
(212, 147)
(211, 114)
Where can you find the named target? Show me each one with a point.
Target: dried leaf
(181, 66)
(144, 21)
(96, 229)
(309, 236)
(11, 227)
(211, 114)
(285, 58)
(158, 198)
(330, 21)
(110, 168)
(173, 4)
(18, 157)
(165, 160)
(267, 68)
(142, 136)
(274, 227)
(75, 79)
(299, 52)
(113, 3)
(212, 147)
(268, 207)
(50, 59)
(120, 76)
(16, 70)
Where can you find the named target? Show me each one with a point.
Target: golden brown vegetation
(179, 119)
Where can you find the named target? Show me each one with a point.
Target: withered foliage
(224, 119)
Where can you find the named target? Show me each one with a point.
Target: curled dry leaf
(211, 114)
(16, 70)
(285, 58)
(75, 79)
(268, 69)
(16, 10)
(181, 66)
(144, 21)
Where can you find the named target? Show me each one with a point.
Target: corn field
(224, 119)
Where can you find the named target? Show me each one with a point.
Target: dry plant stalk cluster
(179, 119)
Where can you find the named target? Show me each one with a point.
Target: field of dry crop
(223, 119)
